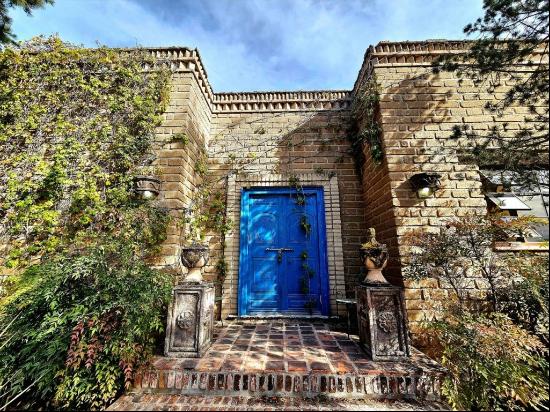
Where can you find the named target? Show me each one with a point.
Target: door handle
(279, 251)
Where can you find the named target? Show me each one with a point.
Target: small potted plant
(375, 258)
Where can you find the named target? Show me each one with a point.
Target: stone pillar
(190, 320)
(382, 322)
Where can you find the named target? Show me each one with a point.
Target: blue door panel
(270, 281)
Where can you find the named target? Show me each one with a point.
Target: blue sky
(257, 44)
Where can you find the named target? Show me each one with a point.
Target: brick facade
(279, 134)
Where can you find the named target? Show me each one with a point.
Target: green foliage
(75, 126)
(367, 130)
(524, 296)
(6, 35)
(509, 40)
(221, 270)
(304, 285)
(463, 249)
(493, 364)
(494, 345)
(207, 213)
(181, 138)
(81, 327)
(84, 309)
(201, 167)
(305, 225)
(307, 272)
(296, 184)
(260, 130)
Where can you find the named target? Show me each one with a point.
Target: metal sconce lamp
(147, 187)
(425, 184)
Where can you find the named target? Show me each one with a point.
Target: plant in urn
(375, 258)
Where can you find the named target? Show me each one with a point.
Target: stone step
(166, 402)
(291, 358)
(395, 382)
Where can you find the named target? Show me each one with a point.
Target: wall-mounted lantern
(147, 187)
(425, 184)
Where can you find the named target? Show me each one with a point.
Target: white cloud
(253, 44)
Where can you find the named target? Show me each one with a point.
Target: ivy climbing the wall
(308, 273)
(367, 130)
(82, 310)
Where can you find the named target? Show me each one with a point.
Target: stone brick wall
(280, 134)
(187, 116)
(257, 134)
(418, 110)
(286, 142)
(275, 135)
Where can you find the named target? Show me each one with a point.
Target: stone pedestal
(190, 320)
(382, 322)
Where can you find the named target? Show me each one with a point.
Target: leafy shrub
(81, 326)
(524, 295)
(83, 310)
(493, 364)
(494, 343)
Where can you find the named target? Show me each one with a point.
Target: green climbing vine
(367, 129)
(208, 212)
(308, 273)
(83, 309)
(305, 225)
(75, 128)
(295, 183)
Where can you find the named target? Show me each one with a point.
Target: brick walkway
(290, 358)
(287, 346)
(158, 402)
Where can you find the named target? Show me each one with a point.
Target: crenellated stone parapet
(186, 60)
(406, 53)
(417, 53)
(282, 101)
(183, 59)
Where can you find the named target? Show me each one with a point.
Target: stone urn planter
(375, 258)
(194, 257)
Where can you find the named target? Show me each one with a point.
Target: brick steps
(376, 385)
(290, 359)
(165, 402)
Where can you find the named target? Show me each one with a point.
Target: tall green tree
(511, 48)
(6, 35)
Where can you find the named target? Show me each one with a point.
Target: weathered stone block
(382, 322)
(190, 320)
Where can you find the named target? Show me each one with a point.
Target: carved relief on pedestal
(382, 322)
(389, 337)
(185, 310)
(190, 320)
(207, 322)
(386, 321)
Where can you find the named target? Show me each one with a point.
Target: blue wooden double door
(283, 260)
